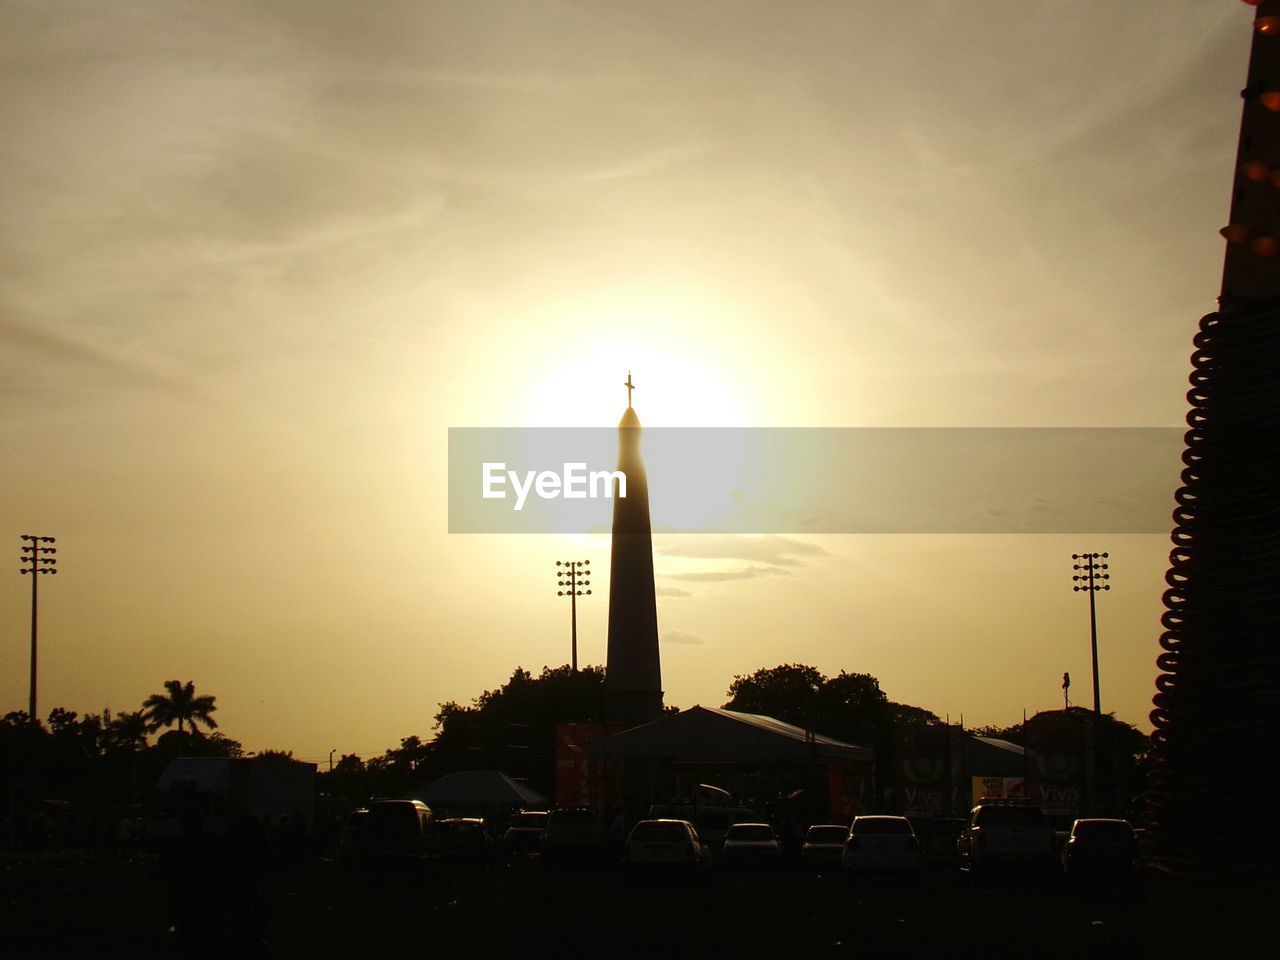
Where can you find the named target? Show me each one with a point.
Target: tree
(180, 705)
(126, 731)
(510, 729)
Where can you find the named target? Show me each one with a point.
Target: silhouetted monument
(633, 675)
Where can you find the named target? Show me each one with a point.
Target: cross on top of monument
(630, 386)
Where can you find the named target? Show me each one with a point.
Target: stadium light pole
(36, 560)
(573, 575)
(1087, 579)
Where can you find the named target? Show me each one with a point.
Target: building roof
(712, 733)
(480, 787)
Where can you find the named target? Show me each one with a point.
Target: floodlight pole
(37, 563)
(573, 574)
(1094, 570)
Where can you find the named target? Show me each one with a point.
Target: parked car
(1100, 848)
(824, 844)
(1007, 834)
(399, 833)
(350, 839)
(663, 845)
(751, 844)
(465, 839)
(524, 832)
(573, 834)
(938, 842)
(881, 844)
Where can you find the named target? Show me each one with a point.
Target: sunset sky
(257, 258)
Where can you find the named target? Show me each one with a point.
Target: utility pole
(1066, 686)
(573, 574)
(1089, 581)
(37, 562)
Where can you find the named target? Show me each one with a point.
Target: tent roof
(481, 787)
(709, 732)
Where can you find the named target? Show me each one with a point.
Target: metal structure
(38, 560)
(1094, 568)
(572, 576)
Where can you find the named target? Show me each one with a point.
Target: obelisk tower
(633, 675)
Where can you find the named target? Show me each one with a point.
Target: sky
(256, 259)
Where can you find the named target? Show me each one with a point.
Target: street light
(1094, 571)
(573, 574)
(34, 556)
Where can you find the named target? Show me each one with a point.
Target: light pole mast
(573, 574)
(34, 556)
(1089, 581)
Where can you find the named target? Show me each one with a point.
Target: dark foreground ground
(84, 906)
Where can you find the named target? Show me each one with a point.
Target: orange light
(1271, 99)
(1257, 170)
(1268, 25)
(1275, 178)
(1265, 246)
(1236, 232)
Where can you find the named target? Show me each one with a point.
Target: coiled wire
(1215, 770)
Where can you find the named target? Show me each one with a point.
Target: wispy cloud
(672, 592)
(715, 576)
(682, 638)
(772, 549)
(644, 164)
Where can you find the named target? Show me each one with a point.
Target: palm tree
(180, 704)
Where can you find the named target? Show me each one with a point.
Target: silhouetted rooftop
(712, 732)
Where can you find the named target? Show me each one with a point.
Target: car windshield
(881, 825)
(1103, 830)
(526, 820)
(1009, 817)
(393, 818)
(561, 817)
(651, 831)
(750, 832)
(826, 835)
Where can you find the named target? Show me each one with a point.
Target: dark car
(399, 833)
(351, 839)
(751, 844)
(1100, 849)
(824, 844)
(573, 834)
(524, 832)
(465, 839)
(939, 842)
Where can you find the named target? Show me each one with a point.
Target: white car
(751, 843)
(882, 844)
(663, 844)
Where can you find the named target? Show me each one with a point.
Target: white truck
(1005, 834)
(225, 788)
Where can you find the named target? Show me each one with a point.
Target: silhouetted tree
(179, 705)
(513, 727)
(125, 731)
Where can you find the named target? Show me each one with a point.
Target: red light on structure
(1257, 170)
(1236, 232)
(1271, 99)
(1253, 3)
(1275, 178)
(1268, 25)
(1265, 246)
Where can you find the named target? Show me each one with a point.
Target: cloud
(714, 576)
(672, 592)
(771, 549)
(680, 637)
